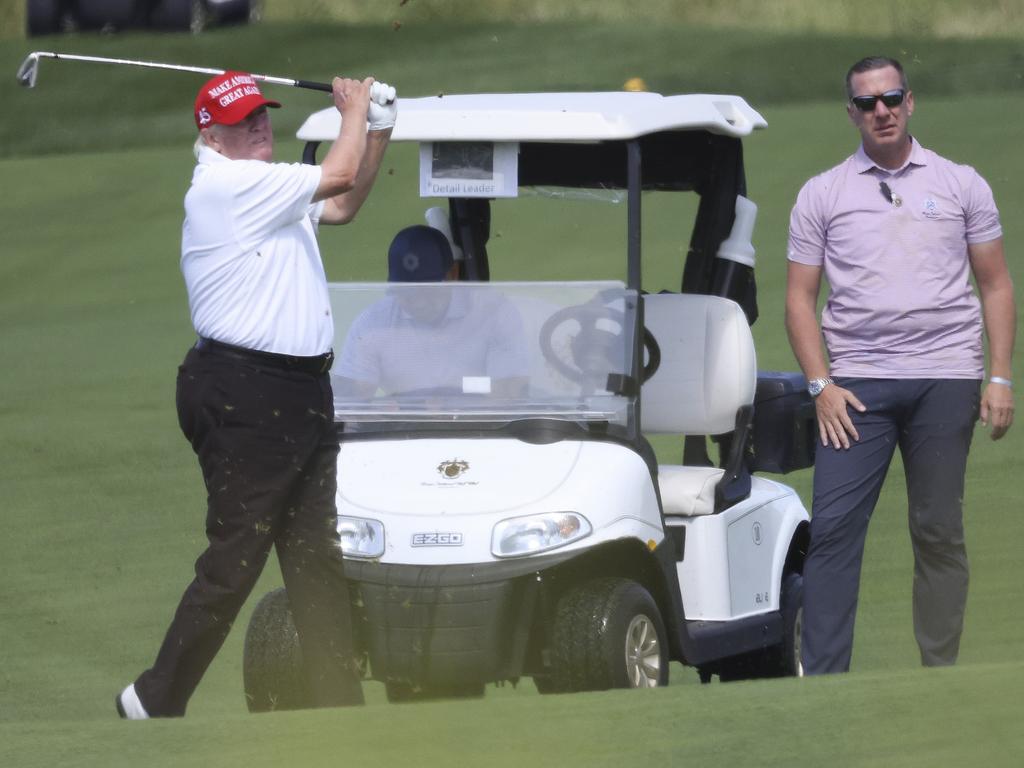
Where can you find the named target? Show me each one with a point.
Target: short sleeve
(807, 227)
(981, 215)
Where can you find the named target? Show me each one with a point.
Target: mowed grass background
(102, 501)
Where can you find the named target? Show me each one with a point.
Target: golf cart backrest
(704, 385)
(708, 366)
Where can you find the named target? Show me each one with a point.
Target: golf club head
(28, 71)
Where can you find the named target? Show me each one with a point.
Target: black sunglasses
(889, 98)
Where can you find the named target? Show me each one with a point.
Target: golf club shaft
(35, 56)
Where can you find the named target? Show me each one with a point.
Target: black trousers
(268, 452)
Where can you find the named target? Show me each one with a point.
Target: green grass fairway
(102, 499)
(906, 719)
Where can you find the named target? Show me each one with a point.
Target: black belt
(317, 365)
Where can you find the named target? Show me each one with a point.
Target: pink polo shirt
(900, 303)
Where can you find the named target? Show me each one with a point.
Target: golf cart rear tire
(400, 693)
(608, 633)
(272, 668)
(782, 660)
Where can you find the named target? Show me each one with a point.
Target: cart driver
(433, 341)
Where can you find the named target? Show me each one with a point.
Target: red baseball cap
(228, 99)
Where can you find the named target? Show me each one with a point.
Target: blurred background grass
(933, 18)
(432, 56)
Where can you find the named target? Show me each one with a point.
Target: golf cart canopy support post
(634, 269)
(634, 158)
(470, 222)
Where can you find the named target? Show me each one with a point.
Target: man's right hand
(834, 423)
(341, 165)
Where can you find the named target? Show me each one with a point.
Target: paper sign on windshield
(469, 169)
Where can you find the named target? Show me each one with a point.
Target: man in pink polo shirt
(898, 231)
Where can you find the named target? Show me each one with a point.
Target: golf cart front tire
(272, 667)
(608, 633)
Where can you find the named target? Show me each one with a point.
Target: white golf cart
(502, 513)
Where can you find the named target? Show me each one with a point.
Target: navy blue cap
(419, 254)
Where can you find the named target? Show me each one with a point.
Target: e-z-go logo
(437, 539)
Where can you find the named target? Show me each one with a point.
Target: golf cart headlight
(537, 533)
(360, 537)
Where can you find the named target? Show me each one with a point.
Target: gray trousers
(932, 422)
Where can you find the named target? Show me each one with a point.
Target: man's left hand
(383, 107)
(997, 408)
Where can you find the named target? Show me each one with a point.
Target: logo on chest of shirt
(930, 209)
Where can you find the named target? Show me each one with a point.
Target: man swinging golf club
(253, 395)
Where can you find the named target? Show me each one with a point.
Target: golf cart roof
(553, 117)
(605, 141)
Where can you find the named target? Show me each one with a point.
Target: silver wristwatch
(815, 386)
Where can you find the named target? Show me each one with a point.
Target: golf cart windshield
(460, 351)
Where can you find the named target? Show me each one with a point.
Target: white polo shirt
(250, 257)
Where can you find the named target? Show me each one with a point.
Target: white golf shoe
(128, 705)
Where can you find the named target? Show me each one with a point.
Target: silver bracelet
(1001, 380)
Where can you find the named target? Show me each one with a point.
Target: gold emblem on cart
(452, 468)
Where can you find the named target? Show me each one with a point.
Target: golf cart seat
(705, 385)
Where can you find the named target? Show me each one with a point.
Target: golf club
(28, 72)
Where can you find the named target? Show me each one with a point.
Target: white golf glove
(383, 107)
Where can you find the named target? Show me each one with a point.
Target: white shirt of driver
(250, 257)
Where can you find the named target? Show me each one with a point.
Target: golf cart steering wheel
(597, 329)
